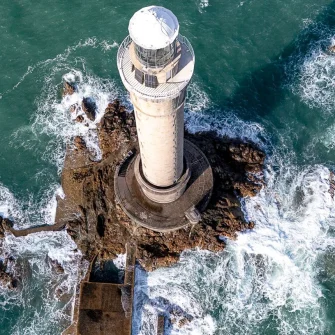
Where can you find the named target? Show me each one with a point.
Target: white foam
(267, 272)
(107, 46)
(40, 284)
(317, 83)
(37, 305)
(120, 261)
(52, 118)
(40, 287)
(202, 5)
(202, 115)
(9, 207)
(270, 271)
(311, 72)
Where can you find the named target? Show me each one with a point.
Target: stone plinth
(165, 217)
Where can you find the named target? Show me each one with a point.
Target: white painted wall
(160, 128)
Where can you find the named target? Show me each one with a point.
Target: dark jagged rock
(79, 143)
(5, 225)
(99, 226)
(89, 107)
(7, 280)
(80, 119)
(55, 265)
(331, 184)
(69, 88)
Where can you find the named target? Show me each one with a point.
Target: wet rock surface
(5, 225)
(7, 279)
(69, 88)
(99, 226)
(55, 265)
(89, 107)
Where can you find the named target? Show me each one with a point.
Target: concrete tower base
(161, 195)
(170, 216)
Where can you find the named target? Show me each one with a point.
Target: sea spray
(43, 302)
(52, 122)
(242, 287)
(43, 298)
(202, 115)
(311, 71)
(269, 273)
(268, 276)
(9, 208)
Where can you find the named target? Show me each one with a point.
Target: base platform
(165, 217)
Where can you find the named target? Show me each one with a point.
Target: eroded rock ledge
(98, 225)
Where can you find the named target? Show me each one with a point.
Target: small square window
(139, 76)
(151, 81)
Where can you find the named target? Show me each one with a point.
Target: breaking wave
(317, 84)
(266, 280)
(43, 300)
(202, 5)
(203, 115)
(52, 121)
(312, 68)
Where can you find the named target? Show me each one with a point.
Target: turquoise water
(262, 74)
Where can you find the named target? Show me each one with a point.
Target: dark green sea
(263, 74)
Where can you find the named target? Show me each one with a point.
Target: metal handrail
(122, 49)
(182, 39)
(124, 46)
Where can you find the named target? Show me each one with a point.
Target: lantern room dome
(153, 27)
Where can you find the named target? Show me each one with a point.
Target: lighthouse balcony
(147, 83)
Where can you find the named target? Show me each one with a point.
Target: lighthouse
(156, 64)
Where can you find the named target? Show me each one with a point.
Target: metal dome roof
(153, 27)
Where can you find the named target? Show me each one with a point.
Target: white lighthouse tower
(156, 64)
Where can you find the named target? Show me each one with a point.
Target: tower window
(139, 76)
(175, 70)
(150, 81)
(156, 58)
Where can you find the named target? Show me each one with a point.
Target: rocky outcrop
(5, 225)
(55, 265)
(331, 184)
(89, 107)
(7, 279)
(69, 88)
(237, 169)
(99, 226)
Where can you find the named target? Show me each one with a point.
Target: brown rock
(74, 108)
(79, 143)
(69, 88)
(55, 265)
(99, 226)
(80, 119)
(89, 107)
(7, 279)
(5, 225)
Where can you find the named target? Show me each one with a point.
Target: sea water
(263, 74)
